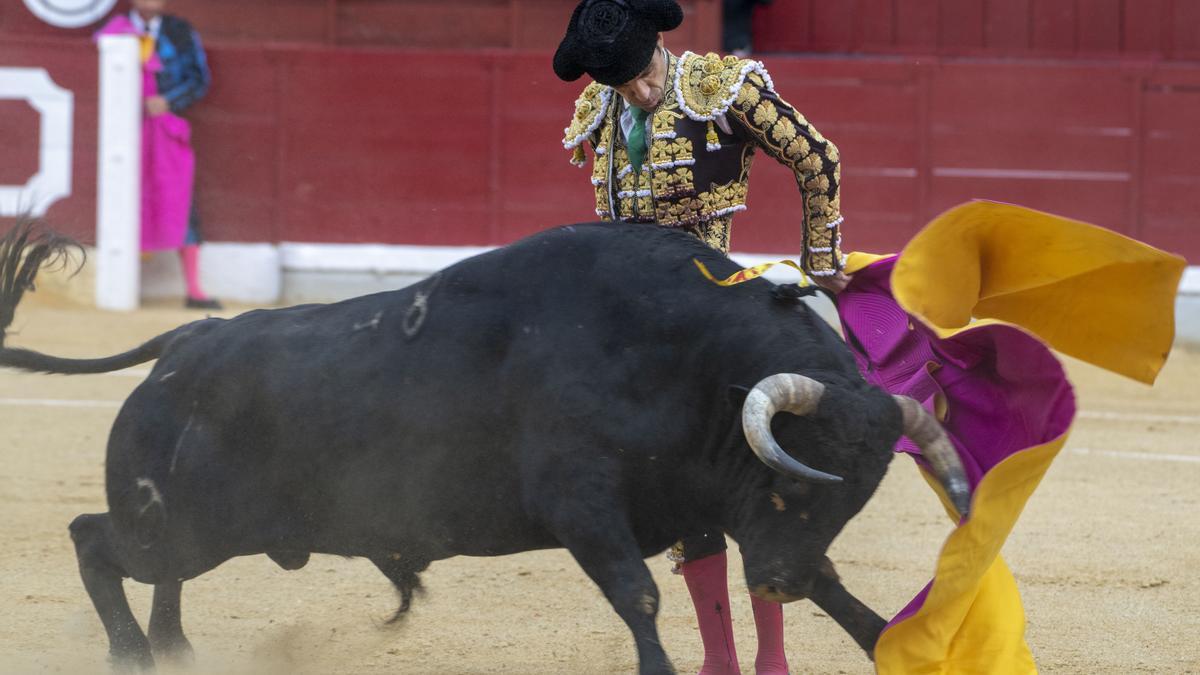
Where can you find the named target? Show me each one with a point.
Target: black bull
(583, 388)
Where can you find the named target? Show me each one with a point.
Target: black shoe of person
(203, 303)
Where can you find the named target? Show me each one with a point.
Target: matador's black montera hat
(613, 40)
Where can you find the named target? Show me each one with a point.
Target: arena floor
(1106, 554)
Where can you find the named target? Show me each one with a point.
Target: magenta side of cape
(168, 168)
(1003, 389)
(168, 162)
(118, 25)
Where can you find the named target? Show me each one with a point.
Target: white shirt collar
(140, 24)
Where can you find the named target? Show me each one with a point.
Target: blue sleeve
(194, 76)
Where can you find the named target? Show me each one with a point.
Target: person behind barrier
(175, 76)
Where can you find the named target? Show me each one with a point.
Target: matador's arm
(787, 136)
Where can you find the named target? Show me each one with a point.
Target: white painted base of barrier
(243, 273)
(302, 272)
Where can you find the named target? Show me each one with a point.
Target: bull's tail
(404, 573)
(24, 250)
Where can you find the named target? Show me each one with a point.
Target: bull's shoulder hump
(590, 109)
(705, 86)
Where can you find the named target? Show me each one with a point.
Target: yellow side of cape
(1083, 290)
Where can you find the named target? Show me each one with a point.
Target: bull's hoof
(177, 652)
(132, 660)
(657, 667)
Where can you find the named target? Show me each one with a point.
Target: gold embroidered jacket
(695, 174)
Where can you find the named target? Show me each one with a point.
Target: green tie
(637, 139)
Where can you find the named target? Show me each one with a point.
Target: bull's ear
(736, 395)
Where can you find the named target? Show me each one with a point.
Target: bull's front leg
(860, 621)
(588, 522)
(166, 628)
(607, 551)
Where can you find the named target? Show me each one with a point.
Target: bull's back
(409, 411)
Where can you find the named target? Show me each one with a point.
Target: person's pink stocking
(707, 582)
(190, 257)
(768, 622)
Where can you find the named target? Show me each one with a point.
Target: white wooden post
(55, 106)
(118, 183)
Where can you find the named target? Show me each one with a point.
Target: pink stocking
(768, 622)
(707, 582)
(190, 257)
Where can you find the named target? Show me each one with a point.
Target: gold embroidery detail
(798, 148)
(783, 131)
(765, 114)
(724, 196)
(748, 96)
(811, 163)
(675, 150)
(590, 105)
(600, 172)
(715, 232)
(671, 184)
(706, 83)
(664, 118)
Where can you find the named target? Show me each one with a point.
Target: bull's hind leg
(102, 575)
(166, 629)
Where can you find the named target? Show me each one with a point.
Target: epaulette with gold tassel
(710, 138)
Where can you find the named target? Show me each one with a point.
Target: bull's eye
(800, 488)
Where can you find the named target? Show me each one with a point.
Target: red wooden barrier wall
(438, 24)
(71, 63)
(312, 142)
(1160, 29)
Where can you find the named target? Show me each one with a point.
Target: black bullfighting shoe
(203, 303)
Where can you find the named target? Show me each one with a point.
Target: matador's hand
(833, 283)
(156, 105)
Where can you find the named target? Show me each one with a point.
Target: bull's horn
(786, 392)
(924, 430)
